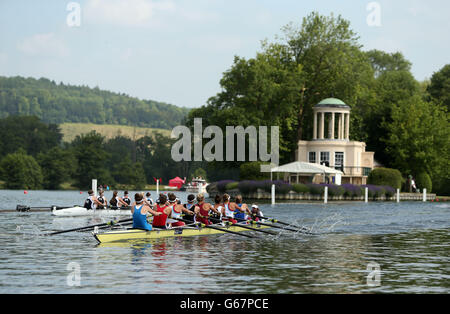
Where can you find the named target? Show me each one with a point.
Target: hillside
(71, 130)
(59, 103)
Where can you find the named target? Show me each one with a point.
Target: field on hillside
(71, 130)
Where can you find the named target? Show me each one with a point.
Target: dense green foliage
(439, 88)
(385, 176)
(48, 164)
(59, 103)
(423, 181)
(27, 133)
(58, 166)
(252, 171)
(20, 171)
(405, 122)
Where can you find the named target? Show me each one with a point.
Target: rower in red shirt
(202, 210)
(161, 207)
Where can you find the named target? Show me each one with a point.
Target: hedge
(385, 177)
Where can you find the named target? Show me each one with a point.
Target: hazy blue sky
(176, 50)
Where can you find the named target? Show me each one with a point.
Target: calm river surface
(408, 241)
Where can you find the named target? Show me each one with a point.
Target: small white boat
(197, 185)
(81, 211)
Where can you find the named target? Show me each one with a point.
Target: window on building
(339, 161)
(325, 158)
(312, 157)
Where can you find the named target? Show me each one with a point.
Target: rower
(160, 221)
(191, 207)
(102, 199)
(116, 201)
(140, 211)
(91, 202)
(229, 209)
(126, 199)
(243, 211)
(148, 199)
(203, 209)
(177, 211)
(256, 212)
(218, 207)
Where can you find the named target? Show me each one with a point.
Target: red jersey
(160, 221)
(204, 213)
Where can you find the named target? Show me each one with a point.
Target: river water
(358, 248)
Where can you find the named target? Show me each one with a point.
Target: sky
(176, 51)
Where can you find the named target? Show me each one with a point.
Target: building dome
(332, 103)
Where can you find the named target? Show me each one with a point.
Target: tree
(91, 159)
(417, 138)
(332, 63)
(252, 171)
(21, 171)
(439, 88)
(280, 86)
(28, 133)
(58, 166)
(200, 173)
(383, 62)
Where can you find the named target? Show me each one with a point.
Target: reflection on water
(410, 242)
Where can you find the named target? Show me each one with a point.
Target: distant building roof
(305, 168)
(333, 103)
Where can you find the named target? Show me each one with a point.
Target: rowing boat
(134, 234)
(81, 211)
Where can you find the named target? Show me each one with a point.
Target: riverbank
(293, 196)
(261, 191)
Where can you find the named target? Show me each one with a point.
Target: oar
(24, 208)
(274, 226)
(247, 227)
(111, 223)
(282, 223)
(215, 227)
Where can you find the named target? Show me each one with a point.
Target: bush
(375, 191)
(247, 186)
(231, 186)
(334, 190)
(222, 185)
(315, 189)
(390, 191)
(351, 190)
(423, 181)
(300, 188)
(385, 176)
(21, 171)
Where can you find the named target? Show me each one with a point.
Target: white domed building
(331, 145)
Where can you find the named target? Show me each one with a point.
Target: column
(315, 126)
(343, 126)
(333, 123)
(330, 128)
(347, 127)
(339, 126)
(322, 125)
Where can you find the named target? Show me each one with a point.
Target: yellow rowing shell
(134, 234)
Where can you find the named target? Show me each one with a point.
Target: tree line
(59, 103)
(33, 156)
(404, 121)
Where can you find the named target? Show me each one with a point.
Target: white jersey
(174, 214)
(228, 213)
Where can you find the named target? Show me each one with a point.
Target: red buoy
(25, 192)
